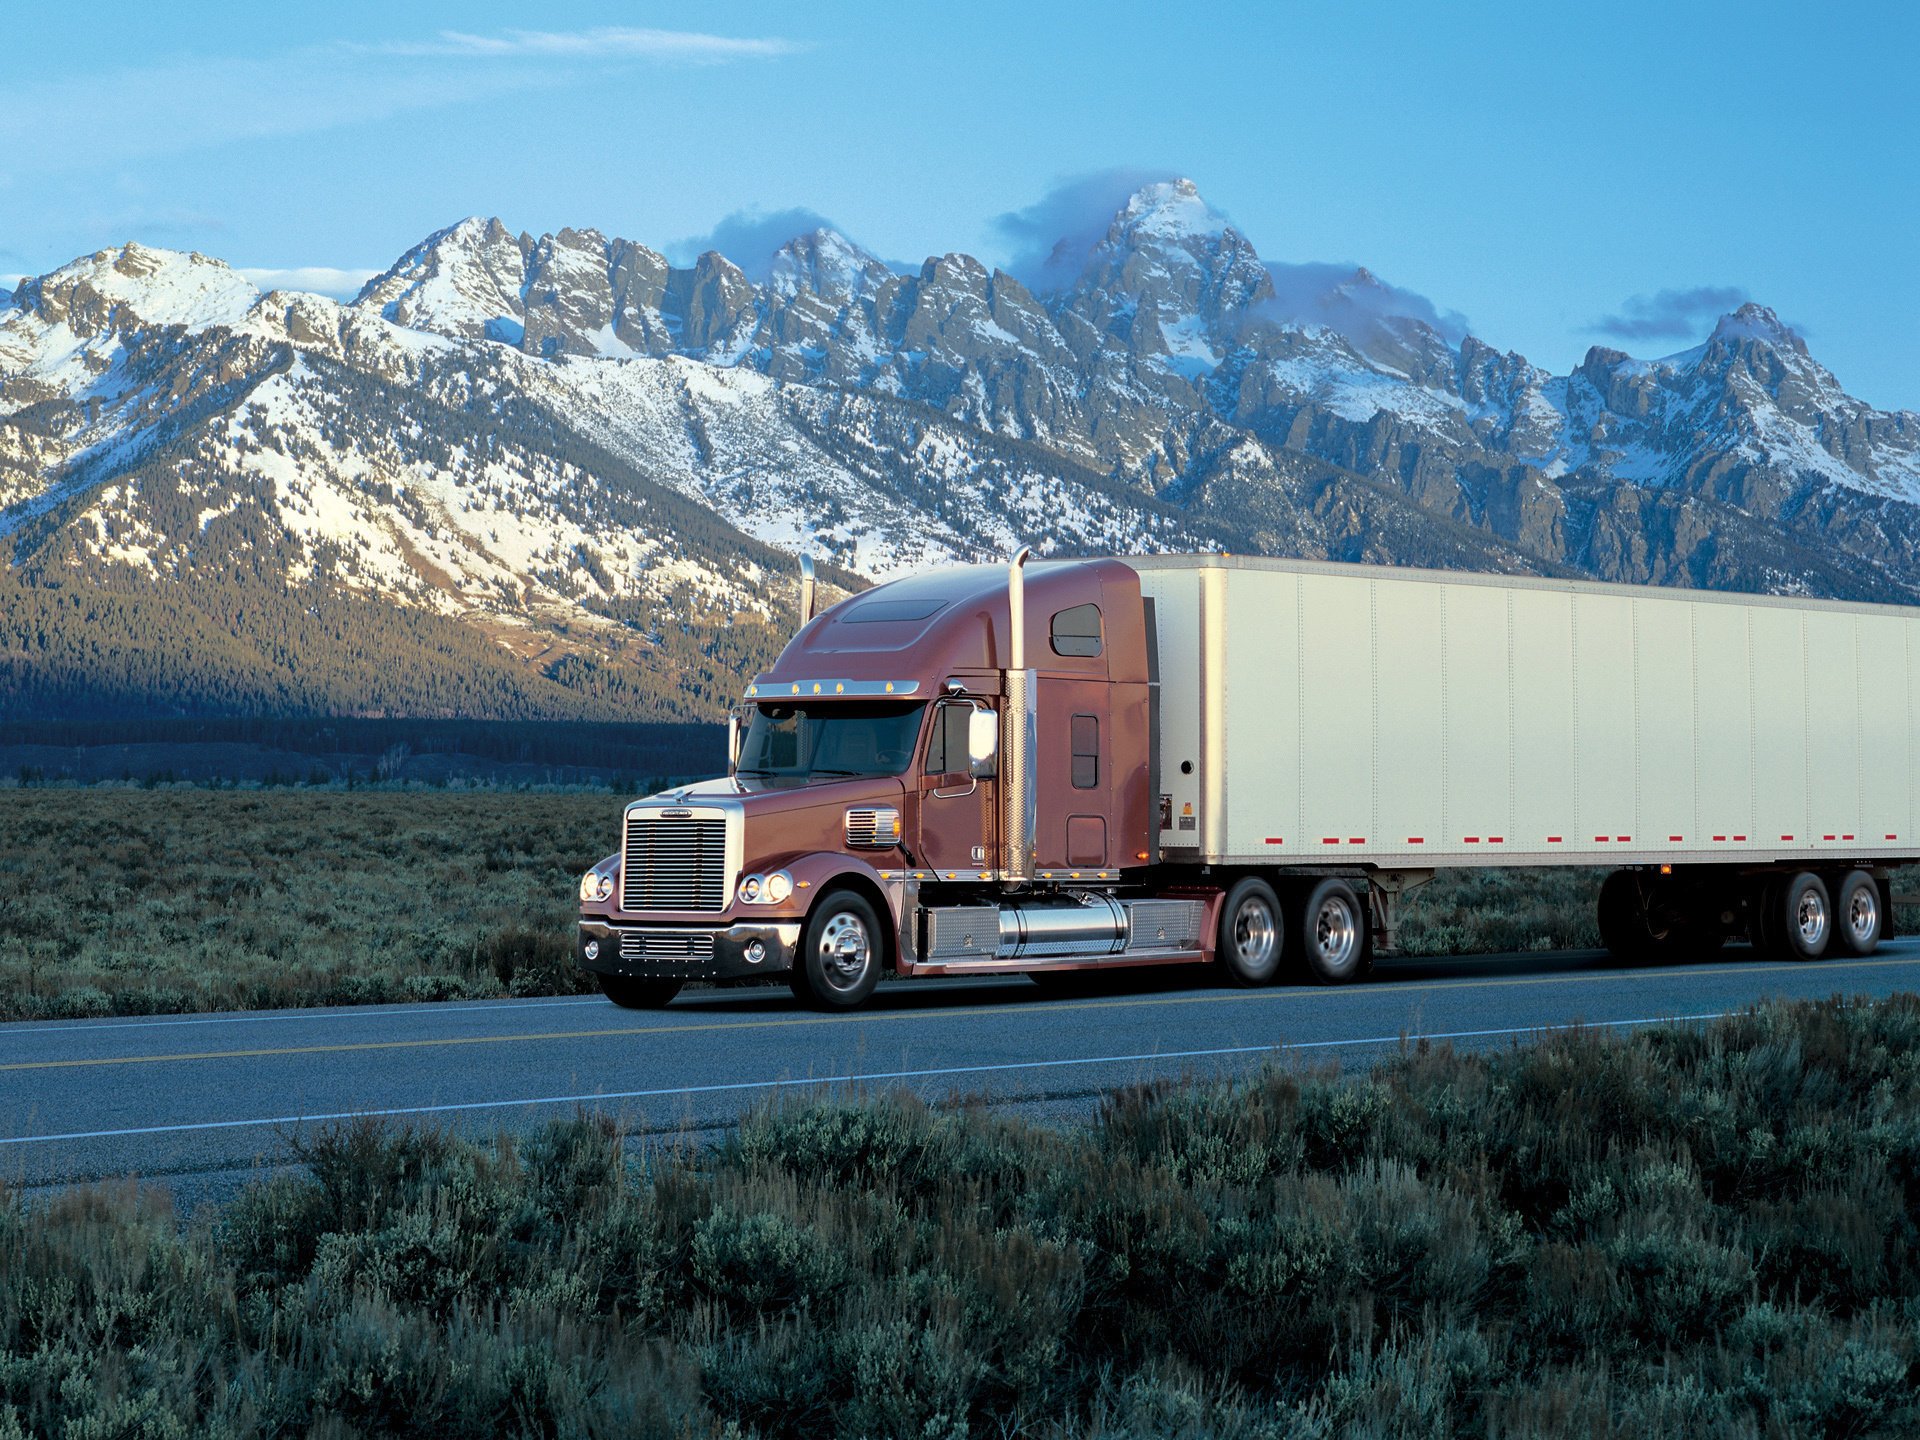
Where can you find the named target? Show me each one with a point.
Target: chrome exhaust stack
(1017, 783)
(808, 589)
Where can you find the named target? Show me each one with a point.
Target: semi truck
(1070, 766)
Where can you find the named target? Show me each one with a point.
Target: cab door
(959, 814)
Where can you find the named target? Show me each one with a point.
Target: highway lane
(205, 1101)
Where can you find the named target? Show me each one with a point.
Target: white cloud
(105, 118)
(319, 279)
(607, 42)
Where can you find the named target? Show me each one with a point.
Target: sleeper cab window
(1077, 631)
(1086, 752)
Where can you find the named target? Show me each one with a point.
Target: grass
(136, 901)
(1707, 1232)
(121, 901)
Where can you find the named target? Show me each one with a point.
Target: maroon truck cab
(914, 789)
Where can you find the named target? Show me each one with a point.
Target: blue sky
(1559, 175)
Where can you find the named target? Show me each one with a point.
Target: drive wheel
(1249, 948)
(1799, 922)
(1332, 925)
(842, 951)
(631, 994)
(1857, 919)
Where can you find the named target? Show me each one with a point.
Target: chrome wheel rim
(1334, 932)
(1254, 933)
(1863, 914)
(1810, 916)
(846, 950)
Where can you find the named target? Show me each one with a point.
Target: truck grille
(674, 864)
(665, 944)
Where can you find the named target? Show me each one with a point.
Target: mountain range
(561, 477)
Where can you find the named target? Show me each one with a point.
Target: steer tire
(1251, 927)
(842, 952)
(1798, 924)
(1858, 918)
(631, 994)
(1330, 922)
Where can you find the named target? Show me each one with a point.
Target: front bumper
(686, 952)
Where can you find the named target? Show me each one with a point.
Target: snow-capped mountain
(577, 474)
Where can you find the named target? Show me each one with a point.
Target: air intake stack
(1017, 785)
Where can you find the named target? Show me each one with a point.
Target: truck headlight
(779, 886)
(595, 887)
(750, 889)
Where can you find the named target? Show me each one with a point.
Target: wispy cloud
(607, 42)
(320, 279)
(108, 117)
(1049, 241)
(1669, 314)
(750, 238)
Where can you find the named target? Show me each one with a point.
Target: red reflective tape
(1826, 837)
(1846, 837)
(1553, 839)
(1786, 837)
(1625, 838)
(1420, 840)
(1496, 840)
(1893, 837)
(1719, 837)
(1275, 840)
(1330, 840)
(1361, 841)
(1599, 839)
(1740, 837)
(1675, 839)
(1473, 839)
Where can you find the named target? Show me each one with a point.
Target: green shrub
(1709, 1231)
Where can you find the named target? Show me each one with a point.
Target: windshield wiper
(828, 770)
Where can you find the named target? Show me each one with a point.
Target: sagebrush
(1707, 1232)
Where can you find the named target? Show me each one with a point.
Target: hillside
(563, 478)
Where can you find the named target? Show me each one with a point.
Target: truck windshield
(829, 739)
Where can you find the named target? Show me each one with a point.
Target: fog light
(756, 952)
(750, 889)
(591, 949)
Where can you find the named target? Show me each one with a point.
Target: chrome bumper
(686, 952)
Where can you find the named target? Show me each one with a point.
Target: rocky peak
(138, 284)
(467, 280)
(825, 263)
(1759, 323)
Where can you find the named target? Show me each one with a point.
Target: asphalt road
(208, 1101)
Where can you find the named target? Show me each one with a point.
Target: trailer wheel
(1857, 916)
(1250, 933)
(631, 994)
(1797, 917)
(1623, 919)
(1332, 925)
(842, 950)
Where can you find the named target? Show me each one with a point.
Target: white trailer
(1746, 762)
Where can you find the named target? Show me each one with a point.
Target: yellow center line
(875, 1017)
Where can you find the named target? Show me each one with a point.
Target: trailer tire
(1858, 916)
(842, 952)
(632, 994)
(1331, 924)
(1622, 917)
(1797, 917)
(1251, 928)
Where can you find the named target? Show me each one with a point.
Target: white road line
(438, 1007)
(679, 1091)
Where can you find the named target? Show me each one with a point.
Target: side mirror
(983, 744)
(733, 741)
